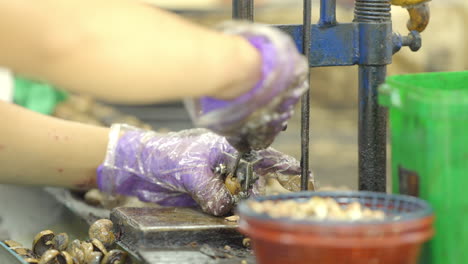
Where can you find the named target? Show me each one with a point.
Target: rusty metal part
(236, 163)
(419, 17)
(419, 13)
(405, 3)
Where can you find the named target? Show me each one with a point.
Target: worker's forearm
(41, 150)
(123, 51)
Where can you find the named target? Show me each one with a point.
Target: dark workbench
(166, 235)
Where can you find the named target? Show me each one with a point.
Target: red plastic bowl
(389, 241)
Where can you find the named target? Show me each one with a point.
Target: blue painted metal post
(327, 12)
(372, 130)
(375, 53)
(369, 42)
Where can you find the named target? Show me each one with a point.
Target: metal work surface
(191, 256)
(78, 206)
(166, 227)
(179, 235)
(165, 235)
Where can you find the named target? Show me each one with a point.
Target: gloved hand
(254, 119)
(177, 169)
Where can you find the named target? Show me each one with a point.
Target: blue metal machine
(368, 42)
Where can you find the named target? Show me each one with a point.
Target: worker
(243, 80)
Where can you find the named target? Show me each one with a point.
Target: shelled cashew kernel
(316, 208)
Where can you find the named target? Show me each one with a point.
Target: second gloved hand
(254, 119)
(177, 169)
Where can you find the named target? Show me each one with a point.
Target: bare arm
(123, 51)
(41, 150)
(118, 50)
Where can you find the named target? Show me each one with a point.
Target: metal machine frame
(368, 42)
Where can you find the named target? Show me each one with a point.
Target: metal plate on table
(181, 256)
(172, 227)
(163, 235)
(78, 206)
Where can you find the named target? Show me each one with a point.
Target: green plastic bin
(429, 138)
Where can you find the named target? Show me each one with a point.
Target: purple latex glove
(177, 169)
(253, 120)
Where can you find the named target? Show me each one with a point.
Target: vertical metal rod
(248, 177)
(327, 12)
(305, 100)
(372, 136)
(243, 9)
(236, 164)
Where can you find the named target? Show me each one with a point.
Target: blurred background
(333, 157)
